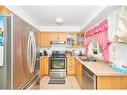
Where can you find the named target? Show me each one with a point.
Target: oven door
(58, 64)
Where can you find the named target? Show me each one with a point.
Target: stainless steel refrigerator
(20, 66)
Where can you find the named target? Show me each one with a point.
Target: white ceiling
(74, 17)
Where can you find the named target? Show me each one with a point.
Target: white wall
(119, 53)
(112, 23)
(111, 31)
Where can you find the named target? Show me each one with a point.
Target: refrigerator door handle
(31, 51)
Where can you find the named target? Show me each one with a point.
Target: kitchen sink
(88, 60)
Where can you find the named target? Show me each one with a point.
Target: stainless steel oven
(58, 64)
(57, 67)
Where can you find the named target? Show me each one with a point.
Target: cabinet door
(46, 66)
(71, 40)
(70, 66)
(54, 36)
(45, 39)
(62, 36)
(78, 73)
(41, 68)
(39, 38)
(76, 68)
(58, 36)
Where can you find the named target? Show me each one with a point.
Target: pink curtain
(87, 42)
(102, 39)
(101, 34)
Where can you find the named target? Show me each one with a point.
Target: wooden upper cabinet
(53, 36)
(45, 39)
(4, 10)
(39, 38)
(62, 36)
(58, 36)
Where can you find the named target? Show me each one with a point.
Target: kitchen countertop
(41, 57)
(100, 68)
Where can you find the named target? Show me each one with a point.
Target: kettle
(45, 53)
(80, 53)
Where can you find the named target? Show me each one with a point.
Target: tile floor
(70, 84)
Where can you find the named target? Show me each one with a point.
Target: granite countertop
(100, 68)
(41, 57)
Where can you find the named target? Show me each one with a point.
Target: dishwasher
(89, 79)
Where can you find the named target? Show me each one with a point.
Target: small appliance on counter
(44, 53)
(70, 52)
(80, 53)
(41, 53)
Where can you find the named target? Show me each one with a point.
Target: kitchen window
(95, 48)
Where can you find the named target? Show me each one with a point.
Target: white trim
(21, 13)
(59, 29)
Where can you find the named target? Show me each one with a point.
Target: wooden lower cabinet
(74, 67)
(70, 65)
(112, 82)
(44, 66)
(41, 69)
(78, 72)
(102, 82)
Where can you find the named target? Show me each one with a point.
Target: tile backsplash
(61, 47)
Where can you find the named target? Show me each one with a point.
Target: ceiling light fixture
(59, 21)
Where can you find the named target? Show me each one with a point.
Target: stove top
(58, 54)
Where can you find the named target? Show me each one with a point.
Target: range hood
(121, 26)
(58, 42)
